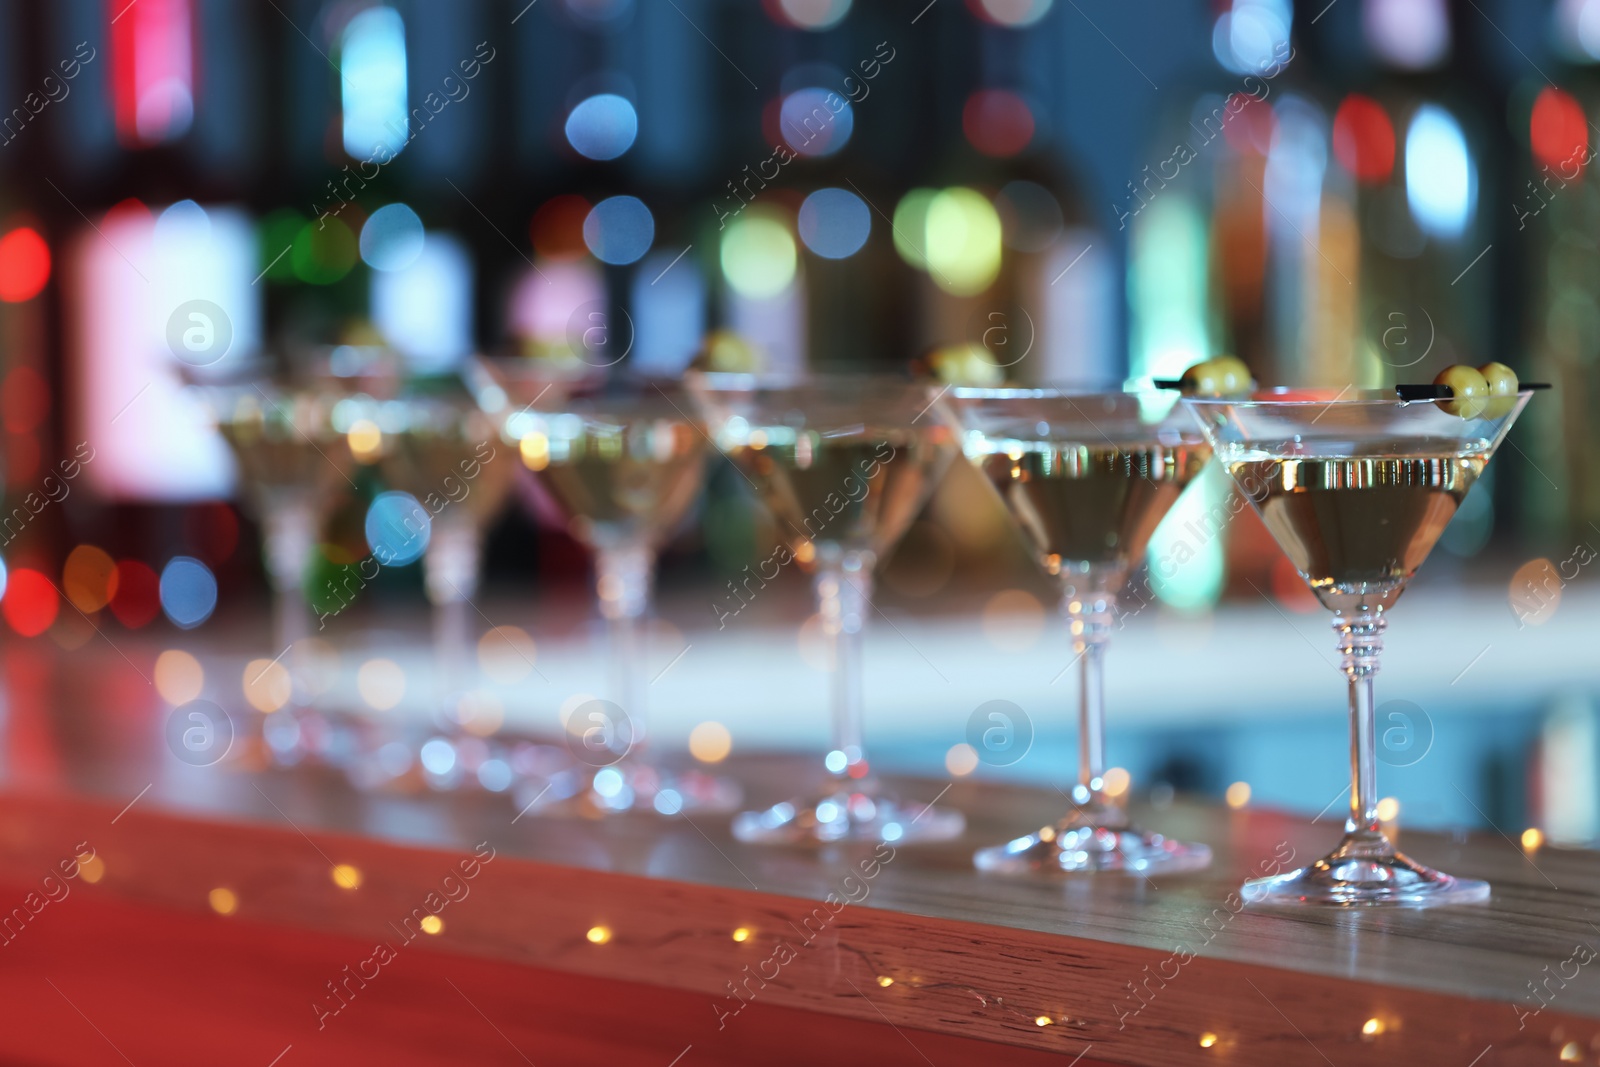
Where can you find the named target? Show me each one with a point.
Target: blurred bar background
(1354, 192)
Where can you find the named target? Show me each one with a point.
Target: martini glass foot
(1080, 844)
(1365, 871)
(627, 786)
(848, 816)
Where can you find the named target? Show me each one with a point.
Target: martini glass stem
(1090, 617)
(290, 535)
(844, 590)
(622, 578)
(1360, 641)
(450, 576)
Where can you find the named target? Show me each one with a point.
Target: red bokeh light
(997, 122)
(31, 602)
(138, 596)
(24, 265)
(1557, 132)
(129, 210)
(557, 227)
(1363, 138)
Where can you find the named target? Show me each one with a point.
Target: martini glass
(618, 466)
(844, 465)
(1356, 487)
(448, 455)
(1086, 477)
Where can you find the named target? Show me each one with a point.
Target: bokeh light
(1237, 795)
(758, 255)
(179, 677)
(89, 578)
(31, 602)
(24, 265)
(365, 439)
(961, 759)
(1414, 34)
(392, 238)
(138, 596)
(603, 126)
(506, 654)
(1363, 139)
(398, 528)
(997, 122)
(1011, 13)
(188, 592)
(834, 223)
(813, 14)
(1558, 133)
(266, 684)
(323, 252)
(963, 241)
(619, 230)
(816, 121)
(911, 226)
(381, 683)
(710, 742)
(1441, 181)
(223, 901)
(1252, 35)
(346, 876)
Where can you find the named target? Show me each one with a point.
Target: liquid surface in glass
(860, 490)
(1354, 526)
(619, 485)
(1088, 504)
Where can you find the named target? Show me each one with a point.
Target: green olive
(1233, 377)
(1200, 379)
(1218, 376)
(1468, 389)
(1503, 387)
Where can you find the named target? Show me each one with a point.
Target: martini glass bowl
(844, 464)
(1086, 477)
(618, 464)
(1357, 487)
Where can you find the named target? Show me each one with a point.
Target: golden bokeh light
(1207, 1039)
(598, 935)
(365, 440)
(267, 685)
(1116, 781)
(432, 924)
(742, 934)
(381, 683)
(1238, 795)
(1372, 1027)
(1042, 1020)
(885, 981)
(535, 450)
(1388, 809)
(346, 877)
(223, 901)
(961, 760)
(1535, 592)
(91, 870)
(89, 578)
(506, 654)
(1532, 838)
(710, 742)
(179, 676)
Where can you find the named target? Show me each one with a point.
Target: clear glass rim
(1055, 391)
(1284, 396)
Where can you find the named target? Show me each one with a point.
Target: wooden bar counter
(235, 915)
